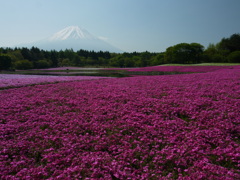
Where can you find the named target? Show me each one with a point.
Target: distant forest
(226, 51)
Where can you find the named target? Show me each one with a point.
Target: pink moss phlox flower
(148, 127)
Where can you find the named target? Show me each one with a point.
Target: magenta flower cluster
(151, 127)
(13, 80)
(67, 68)
(183, 68)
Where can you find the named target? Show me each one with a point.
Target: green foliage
(214, 54)
(64, 62)
(217, 58)
(129, 62)
(234, 57)
(5, 62)
(184, 53)
(158, 59)
(23, 64)
(53, 56)
(15, 55)
(42, 63)
(231, 44)
(117, 61)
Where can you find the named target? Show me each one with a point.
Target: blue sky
(131, 25)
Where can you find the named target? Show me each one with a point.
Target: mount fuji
(73, 37)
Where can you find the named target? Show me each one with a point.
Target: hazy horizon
(136, 25)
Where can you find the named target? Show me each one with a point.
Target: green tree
(117, 61)
(90, 61)
(104, 61)
(5, 62)
(83, 61)
(168, 56)
(196, 52)
(137, 61)
(231, 44)
(65, 62)
(214, 53)
(23, 64)
(43, 63)
(36, 54)
(210, 52)
(77, 61)
(217, 58)
(184, 53)
(158, 59)
(129, 62)
(26, 53)
(54, 58)
(16, 55)
(70, 54)
(234, 57)
(146, 58)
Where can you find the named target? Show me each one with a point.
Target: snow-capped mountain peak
(72, 32)
(75, 38)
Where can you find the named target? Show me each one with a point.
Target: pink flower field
(68, 68)
(13, 80)
(184, 68)
(147, 127)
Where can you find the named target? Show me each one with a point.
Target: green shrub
(42, 64)
(234, 57)
(23, 64)
(5, 62)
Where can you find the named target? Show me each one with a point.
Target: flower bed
(184, 68)
(68, 68)
(150, 127)
(13, 80)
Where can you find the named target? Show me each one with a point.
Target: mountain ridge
(73, 37)
(72, 32)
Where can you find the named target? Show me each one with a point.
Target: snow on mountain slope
(72, 32)
(75, 38)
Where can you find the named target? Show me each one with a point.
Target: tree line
(226, 51)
